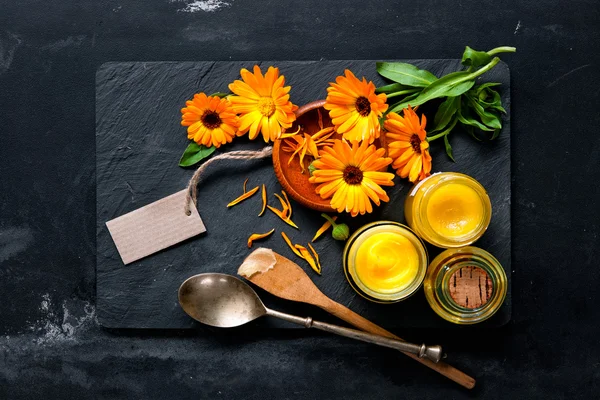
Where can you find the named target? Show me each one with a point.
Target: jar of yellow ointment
(448, 209)
(385, 261)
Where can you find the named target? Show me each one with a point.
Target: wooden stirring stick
(284, 278)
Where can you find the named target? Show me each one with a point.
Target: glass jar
(448, 209)
(385, 261)
(466, 285)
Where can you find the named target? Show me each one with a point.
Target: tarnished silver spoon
(225, 301)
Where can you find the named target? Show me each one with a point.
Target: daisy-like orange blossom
(350, 176)
(408, 145)
(211, 120)
(354, 107)
(263, 103)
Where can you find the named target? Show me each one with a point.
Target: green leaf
(445, 113)
(498, 108)
(488, 118)
(475, 59)
(406, 74)
(487, 97)
(496, 134)
(393, 87)
(448, 148)
(445, 132)
(467, 119)
(220, 94)
(451, 85)
(195, 153)
(471, 131)
(484, 86)
(402, 104)
(404, 93)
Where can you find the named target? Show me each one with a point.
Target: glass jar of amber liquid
(466, 285)
(448, 209)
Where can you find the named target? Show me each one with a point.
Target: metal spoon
(225, 301)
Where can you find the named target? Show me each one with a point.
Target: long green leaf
(445, 132)
(401, 105)
(484, 86)
(406, 74)
(487, 97)
(467, 119)
(491, 120)
(448, 148)
(220, 94)
(445, 112)
(474, 59)
(392, 87)
(195, 153)
(451, 85)
(471, 131)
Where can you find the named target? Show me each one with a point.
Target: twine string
(192, 188)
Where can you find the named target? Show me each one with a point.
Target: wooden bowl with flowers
(298, 147)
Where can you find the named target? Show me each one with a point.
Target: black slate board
(139, 141)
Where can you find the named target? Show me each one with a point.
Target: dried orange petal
(289, 243)
(308, 257)
(316, 257)
(243, 197)
(323, 229)
(257, 236)
(264, 200)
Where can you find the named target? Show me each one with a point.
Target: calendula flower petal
(243, 197)
(323, 228)
(289, 243)
(257, 236)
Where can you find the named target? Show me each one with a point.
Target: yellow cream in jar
(448, 210)
(454, 210)
(385, 261)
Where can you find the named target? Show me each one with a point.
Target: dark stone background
(50, 343)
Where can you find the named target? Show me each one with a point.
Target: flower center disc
(353, 175)
(363, 106)
(266, 106)
(415, 142)
(211, 119)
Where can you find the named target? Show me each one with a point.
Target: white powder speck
(517, 28)
(51, 328)
(202, 5)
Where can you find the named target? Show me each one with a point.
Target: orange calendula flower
(263, 103)
(211, 120)
(351, 176)
(408, 145)
(354, 107)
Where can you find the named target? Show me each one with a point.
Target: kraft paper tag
(154, 227)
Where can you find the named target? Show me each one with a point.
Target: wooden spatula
(284, 278)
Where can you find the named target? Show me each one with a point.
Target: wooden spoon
(284, 278)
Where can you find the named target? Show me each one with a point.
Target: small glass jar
(448, 209)
(385, 261)
(466, 285)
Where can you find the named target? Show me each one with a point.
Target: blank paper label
(154, 227)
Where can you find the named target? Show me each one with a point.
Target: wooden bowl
(291, 178)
